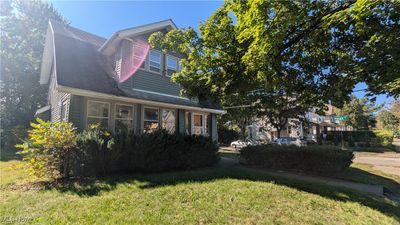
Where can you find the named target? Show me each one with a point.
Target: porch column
(214, 131)
(181, 126)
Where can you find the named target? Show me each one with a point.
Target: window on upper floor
(139, 55)
(172, 65)
(155, 61)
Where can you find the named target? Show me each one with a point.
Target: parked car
(290, 141)
(243, 143)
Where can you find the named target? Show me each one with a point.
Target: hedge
(153, 152)
(56, 150)
(311, 159)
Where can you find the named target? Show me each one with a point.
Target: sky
(105, 17)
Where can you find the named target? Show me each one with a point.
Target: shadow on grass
(362, 176)
(92, 187)
(9, 154)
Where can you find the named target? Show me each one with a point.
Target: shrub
(311, 159)
(161, 151)
(49, 148)
(384, 137)
(226, 135)
(95, 152)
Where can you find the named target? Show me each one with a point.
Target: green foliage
(49, 149)
(161, 151)
(23, 29)
(389, 119)
(312, 159)
(95, 152)
(284, 57)
(384, 137)
(360, 112)
(100, 153)
(226, 135)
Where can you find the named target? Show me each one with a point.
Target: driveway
(385, 162)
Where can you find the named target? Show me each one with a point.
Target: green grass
(233, 155)
(217, 195)
(365, 173)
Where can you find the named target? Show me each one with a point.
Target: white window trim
(144, 120)
(166, 64)
(192, 122)
(161, 61)
(133, 113)
(63, 106)
(98, 117)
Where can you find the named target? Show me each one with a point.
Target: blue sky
(105, 17)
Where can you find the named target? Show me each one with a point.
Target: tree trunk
(279, 132)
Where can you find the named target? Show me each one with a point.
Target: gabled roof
(110, 45)
(79, 65)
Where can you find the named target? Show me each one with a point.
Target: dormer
(130, 51)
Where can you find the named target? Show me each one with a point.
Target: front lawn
(215, 195)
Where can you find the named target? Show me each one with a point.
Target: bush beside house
(311, 159)
(97, 152)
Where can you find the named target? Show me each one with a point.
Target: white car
(240, 144)
(290, 141)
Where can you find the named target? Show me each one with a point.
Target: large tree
(23, 29)
(361, 113)
(308, 52)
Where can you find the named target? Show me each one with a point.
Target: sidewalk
(368, 188)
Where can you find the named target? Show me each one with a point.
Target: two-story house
(119, 82)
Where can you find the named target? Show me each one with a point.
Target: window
(139, 55)
(63, 111)
(155, 61)
(168, 120)
(172, 65)
(198, 124)
(123, 118)
(150, 119)
(98, 112)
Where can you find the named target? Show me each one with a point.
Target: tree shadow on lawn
(9, 154)
(92, 187)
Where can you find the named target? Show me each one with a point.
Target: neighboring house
(84, 74)
(310, 126)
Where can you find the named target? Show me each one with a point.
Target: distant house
(119, 82)
(316, 124)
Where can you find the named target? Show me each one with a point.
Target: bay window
(155, 61)
(150, 119)
(123, 118)
(168, 120)
(98, 113)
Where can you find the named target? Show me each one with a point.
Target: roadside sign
(341, 118)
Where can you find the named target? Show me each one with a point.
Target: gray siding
(145, 80)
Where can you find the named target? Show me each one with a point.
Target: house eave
(93, 94)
